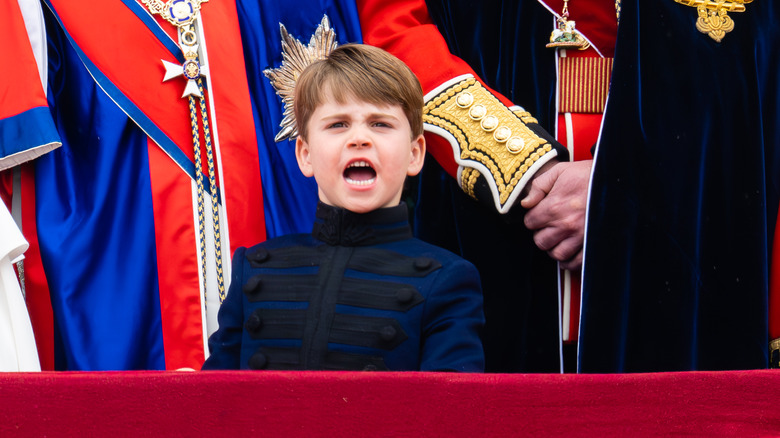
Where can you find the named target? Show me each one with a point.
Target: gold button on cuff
(499, 147)
(489, 123)
(502, 134)
(515, 145)
(477, 112)
(464, 99)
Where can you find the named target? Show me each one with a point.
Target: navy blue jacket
(359, 293)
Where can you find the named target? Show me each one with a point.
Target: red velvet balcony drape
(346, 404)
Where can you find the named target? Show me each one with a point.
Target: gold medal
(565, 35)
(182, 14)
(179, 13)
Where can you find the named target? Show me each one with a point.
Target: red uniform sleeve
(492, 148)
(403, 28)
(26, 127)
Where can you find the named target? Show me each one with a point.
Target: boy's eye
(337, 125)
(382, 125)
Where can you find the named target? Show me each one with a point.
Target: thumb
(540, 187)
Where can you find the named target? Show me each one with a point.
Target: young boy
(359, 293)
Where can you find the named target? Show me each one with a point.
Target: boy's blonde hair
(365, 73)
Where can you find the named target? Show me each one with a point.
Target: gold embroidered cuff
(489, 139)
(774, 353)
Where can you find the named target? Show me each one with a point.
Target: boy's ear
(302, 154)
(418, 156)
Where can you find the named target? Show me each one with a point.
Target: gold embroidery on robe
(713, 15)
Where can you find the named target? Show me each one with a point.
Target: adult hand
(556, 204)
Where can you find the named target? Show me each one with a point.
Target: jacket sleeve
(26, 126)
(453, 320)
(492, 147)
(225, 343)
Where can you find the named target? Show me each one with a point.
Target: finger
(544, 214)
(574, 264)
(566, 250)
(535, 194)
(540, 187)
(537, 217)
(548, 238)
(553, 211)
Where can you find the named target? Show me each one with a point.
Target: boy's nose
(359, 138)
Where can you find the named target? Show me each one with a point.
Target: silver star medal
(295, 58)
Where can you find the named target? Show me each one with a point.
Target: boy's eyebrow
(347, 114)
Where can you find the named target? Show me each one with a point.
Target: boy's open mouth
(359, 173)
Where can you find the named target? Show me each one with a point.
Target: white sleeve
(17, 343)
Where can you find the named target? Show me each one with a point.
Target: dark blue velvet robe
(684, 195)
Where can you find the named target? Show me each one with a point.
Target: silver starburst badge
(295, 58)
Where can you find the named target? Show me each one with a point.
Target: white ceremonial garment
(17, 344)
